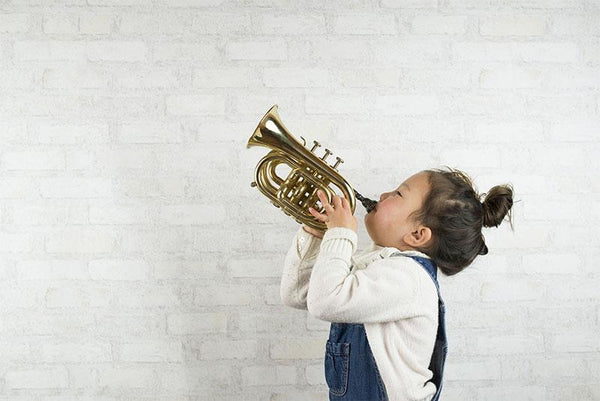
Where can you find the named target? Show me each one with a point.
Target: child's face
(388, 224)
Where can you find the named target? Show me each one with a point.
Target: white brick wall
(136, 263)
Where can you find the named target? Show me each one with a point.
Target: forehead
(416, 182)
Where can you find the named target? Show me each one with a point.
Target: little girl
(387, 339)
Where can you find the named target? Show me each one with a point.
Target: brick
(554, 263)
(61, 24)
(146, 78)
(15, 22)
(525, 393)
(268, 375)
(363, 24)
(150, 132)
(416, 51)
(254, 267)
(108, 213)
(126, 378)
(195, 380)
(80, 241)
(223, 295)
(512, 290)
(34, 160)
(64, 187)
(74, 352)
(96, 24)
(55, 269)
(16, 242)
(190, 323)
(574, 131)
(298, 348)
(153, 24)
(224, 78)
(160, 296)
(315, 375)
(181, 105)
(105, 3)
(409, 4)
(264, 322)
(193, 3)
(257, 50)
(75, 77)
(115, 269)
(17, 78)
(72, 133)
(49, 378)
(176, 51)
(182, 269)
(285, 24)
(130, 325)
(507, 132)
(187, 214)
(405, 105)
(49, 50)
(116, 51)
(472, 370)
(556, 52)
(448, 25)
(509, 78)
(334, 50)
(151, 351)
(510, 25)
(74, 297)
(215, 23)
(301, 396)
(295, 77)
(574, 341)
(229, 349)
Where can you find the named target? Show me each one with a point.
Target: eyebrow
(406, 185)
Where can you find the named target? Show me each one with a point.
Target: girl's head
(439, 213)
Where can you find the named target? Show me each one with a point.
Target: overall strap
(440, 350)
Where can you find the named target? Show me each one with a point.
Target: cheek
(375, 219)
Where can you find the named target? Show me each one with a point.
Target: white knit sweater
(395, 298)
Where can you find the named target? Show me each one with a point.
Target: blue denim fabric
(350, 368)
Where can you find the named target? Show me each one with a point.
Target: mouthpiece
(369, 204)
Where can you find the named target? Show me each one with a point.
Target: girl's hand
(313, 231)
(336, 215)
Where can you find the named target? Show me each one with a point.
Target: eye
(398, 192)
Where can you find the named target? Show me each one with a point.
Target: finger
(317, 215)
(337, 202)
(324, 201)
(345, 203)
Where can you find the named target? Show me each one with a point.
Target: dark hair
(453, 211)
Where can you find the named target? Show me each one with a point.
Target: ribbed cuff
(339, 241)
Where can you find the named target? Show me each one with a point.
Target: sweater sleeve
(298, 264)
(386, 290)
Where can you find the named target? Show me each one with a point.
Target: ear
(419, 237)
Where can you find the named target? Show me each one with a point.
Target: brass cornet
(296, 193)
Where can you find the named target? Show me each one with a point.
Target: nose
(383, 196)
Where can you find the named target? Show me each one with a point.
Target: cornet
(298, 191)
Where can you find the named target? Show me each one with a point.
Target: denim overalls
(350, 369)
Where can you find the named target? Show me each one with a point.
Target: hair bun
(497, 204)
